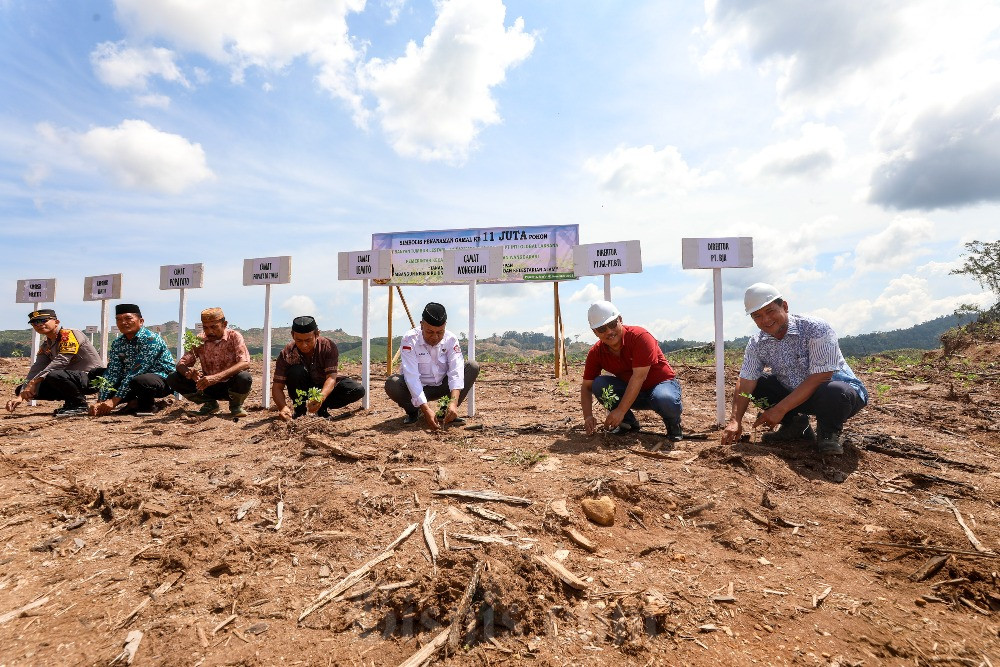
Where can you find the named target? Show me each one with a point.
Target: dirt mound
(358, 541)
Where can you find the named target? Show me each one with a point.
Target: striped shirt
(810, 346)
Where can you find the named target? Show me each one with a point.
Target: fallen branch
(668, 456)
(483, 539)
(455, 631)
(483, 495)
(490, 515)
(961, 522)
(63, 487)
(580, 539)
(281, 515)
(428, 650)
(931, 547)
(561, 573)
(930, 568)
(150, 445)
(429, 535)
(17, 613)
(335, 449)
(354, 577)
(160, 590)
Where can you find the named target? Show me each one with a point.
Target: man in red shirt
(640, 376)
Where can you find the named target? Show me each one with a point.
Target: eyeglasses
(613, 324)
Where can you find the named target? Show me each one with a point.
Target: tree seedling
(443, 404)
(609, 399)
(313, 394)
(762, 403)
(191, 340)
(102, 383)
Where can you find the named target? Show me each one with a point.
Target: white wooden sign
(181, 276)
(267, 270)
(102, 288)
(92, 329)
(199, 327)
(733, 252)
(464, 264)
(36, 290)
(364, 265)
(596, 259)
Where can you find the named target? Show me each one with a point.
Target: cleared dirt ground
(171, 526)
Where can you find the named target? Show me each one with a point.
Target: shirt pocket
(425, 369)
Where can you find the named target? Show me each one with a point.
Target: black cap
(124, 308)
(304, 324)
(434, 314)
(41, 315)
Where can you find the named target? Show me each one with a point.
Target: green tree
(982, 264)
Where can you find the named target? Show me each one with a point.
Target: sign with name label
(92, 329)
(735, 252)
(595, 259)
(181, 276)
(484, 263)
(36, 290)
(361, 264)
(267, 270)
(99, 288)
(199, 328)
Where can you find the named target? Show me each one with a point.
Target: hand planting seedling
(101, 383)
(761, 403)
(443, 404)
(312, 395)
(191, 340)
(609, 399)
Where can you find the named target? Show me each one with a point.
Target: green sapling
(313, 394)
(609, 399)
(191, 340)
(101, 383)
(443, 404)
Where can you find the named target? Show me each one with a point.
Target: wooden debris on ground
(818, 599)
(483, 495)
(321, 442)
(160, 590)
(556, 568)
(580, 539)
(457, 623)
(429, 534)
(246, 507)
(930, 568)
(490, 515)
(132, 640)
(483, 539)
(947, 502)
(20, 611)
(357, 575)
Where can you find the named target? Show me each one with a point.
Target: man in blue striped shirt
(807, 376)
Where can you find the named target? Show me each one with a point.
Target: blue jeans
(664, 399)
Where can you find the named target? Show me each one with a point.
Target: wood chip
(246, 507)
(818, 599)
(325, 443)
(429, 534)
(226, 622)
(564, 575)
(580, 539)
(17, 613)
(132, 640)
(483, 495)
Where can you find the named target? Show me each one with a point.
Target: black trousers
(144, 389)
(70, 387)
(237, 384)
(395, 387)
(346, 391)
(832, 403)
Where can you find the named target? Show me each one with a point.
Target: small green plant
(524, 457)
(191, 340)
(14, 380)
(16, 353)
(563, 385)
(882, 390)
(101, 383)
(609, 399)
(761, 403)
(304, 395)
(443, 404)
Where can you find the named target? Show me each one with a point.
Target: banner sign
(267, 270)
(36, 290)
(181, 276)
(734, 252)
(480, 264)
(529, 253)
(99, 288)
(595, 259)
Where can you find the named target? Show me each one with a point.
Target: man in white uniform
(433, 367)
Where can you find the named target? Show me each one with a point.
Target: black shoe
(796, 428)
(829, 443)
(457, 421)
(674, 431)
(71, 411)
(411, 418)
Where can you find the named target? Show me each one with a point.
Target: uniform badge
(68, 344)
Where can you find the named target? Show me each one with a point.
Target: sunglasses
(613, 324)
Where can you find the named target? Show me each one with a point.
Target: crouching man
(809, 376)
(433, 367)
(63, 368)
(224, 372)
(310, 362)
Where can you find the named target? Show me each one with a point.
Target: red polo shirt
(639, 349)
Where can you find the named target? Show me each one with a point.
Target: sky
(856, 141)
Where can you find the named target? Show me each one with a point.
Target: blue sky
(858, 143)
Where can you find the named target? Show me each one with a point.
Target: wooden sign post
(717, 254)
(90, 331)
(267, 271)
(470, 265)
(181, 277)
(35, 291)
(365, 265)
(102, 288)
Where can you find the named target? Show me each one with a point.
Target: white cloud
(137, 155)
(666, 329)
(896, 246)
(434, 100)
(815, 152)
(153, 100)
(394, 7)
(299, 304)
(590, 293)
(643, 170)
(121, 66)
(255, 33)
(36, 174)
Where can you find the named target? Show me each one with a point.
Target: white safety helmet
(759, 295)
(601, 313)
